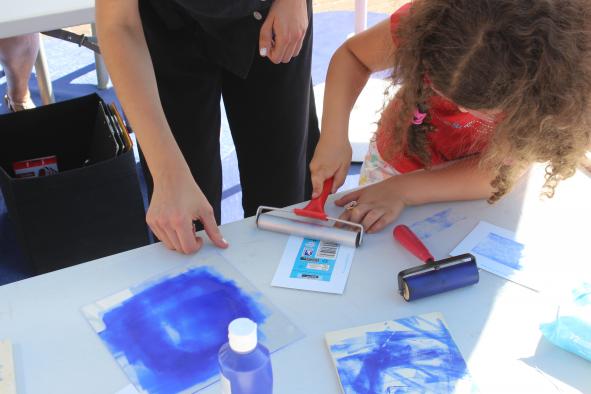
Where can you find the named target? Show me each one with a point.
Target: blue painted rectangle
(409, 355)
(436, 223)
(500, 249)
(170, 333)
(165, 333)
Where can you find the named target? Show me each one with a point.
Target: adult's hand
(282, 33)
(177, 201)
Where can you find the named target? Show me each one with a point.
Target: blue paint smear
(424, 359)
(430, 226)
(500, 249)
(170, 333)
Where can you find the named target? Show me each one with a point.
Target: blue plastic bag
(572, 328)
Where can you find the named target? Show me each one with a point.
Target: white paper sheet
(415, 354)
(498, 251)
(313, 265)
(7, 381)
(129, 389)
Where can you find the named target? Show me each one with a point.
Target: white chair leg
(42, 74)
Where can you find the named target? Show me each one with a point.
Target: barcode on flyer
(327, 250)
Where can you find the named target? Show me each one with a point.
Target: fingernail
(224, 241)
(263, 52)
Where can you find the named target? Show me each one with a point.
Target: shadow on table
(550, 360)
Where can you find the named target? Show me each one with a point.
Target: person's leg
(273, 121)
(17, 57)
(190, 92)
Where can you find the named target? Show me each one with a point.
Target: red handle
(412, 243)
(315, 208)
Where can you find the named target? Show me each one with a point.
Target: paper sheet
(416, 354)
(165, 333)
(129, 389)
(7, 381)
(308, 264)
(498, 251)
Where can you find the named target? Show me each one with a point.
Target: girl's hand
(332, 158)
(375, 206)
(176, 202)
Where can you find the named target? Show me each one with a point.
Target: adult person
(170, 62)
(17, 57)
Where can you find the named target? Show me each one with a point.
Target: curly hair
(530, 59)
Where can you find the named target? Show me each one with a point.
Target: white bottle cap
(242, 335)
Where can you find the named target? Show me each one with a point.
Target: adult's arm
(177, 200)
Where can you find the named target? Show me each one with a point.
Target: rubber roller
(435, 276)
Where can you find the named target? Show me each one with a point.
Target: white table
(33, 16)
(495, 323)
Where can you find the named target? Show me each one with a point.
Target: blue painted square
(167, 335)
(410, 355)
(436, 223)
(500, 249)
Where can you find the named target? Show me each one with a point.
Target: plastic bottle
(245, 365)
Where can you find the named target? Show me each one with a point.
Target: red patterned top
(456, 135)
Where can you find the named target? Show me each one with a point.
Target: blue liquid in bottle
(245, 365)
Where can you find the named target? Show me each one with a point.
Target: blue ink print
(500, 249)
(167, 335)
(426, 228)
(415, 354)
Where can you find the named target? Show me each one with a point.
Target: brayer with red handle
(435, 276)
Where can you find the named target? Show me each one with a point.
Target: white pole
(360, 15)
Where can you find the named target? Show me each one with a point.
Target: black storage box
(92, 208)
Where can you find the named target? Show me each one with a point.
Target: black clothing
(203, 50)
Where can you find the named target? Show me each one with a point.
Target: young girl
(487, 87)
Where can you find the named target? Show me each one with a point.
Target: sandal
(13, 106)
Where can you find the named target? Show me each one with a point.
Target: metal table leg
(102, 75)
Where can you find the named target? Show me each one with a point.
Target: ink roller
(311, 221)
(435, 276)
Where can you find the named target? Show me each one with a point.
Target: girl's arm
(176, 200)
(348, 72)
(380, 204)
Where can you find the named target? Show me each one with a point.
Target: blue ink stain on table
(169, 334)
(423, 358)
(500, 249)
(433, 224)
